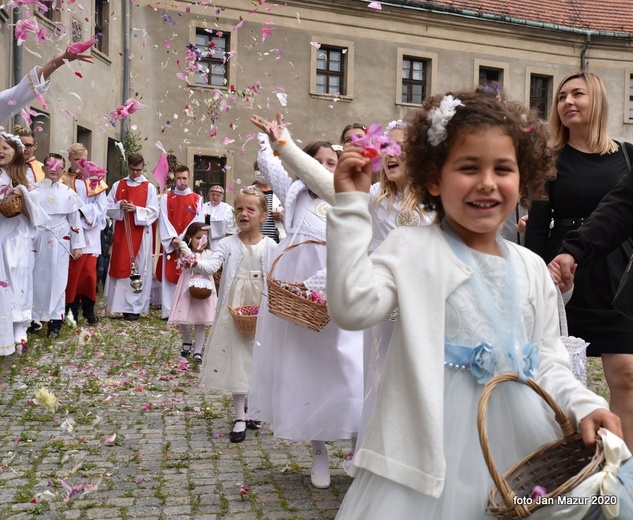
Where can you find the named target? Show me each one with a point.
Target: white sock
(240, 415)
(320, 462)
(199, 331)
(185, 330)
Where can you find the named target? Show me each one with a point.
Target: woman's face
(574, 104)
(327, 157)
(394, 165)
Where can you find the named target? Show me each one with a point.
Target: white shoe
(320, 482)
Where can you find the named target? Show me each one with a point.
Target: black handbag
(623, 299)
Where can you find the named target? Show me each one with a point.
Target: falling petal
(375, 5)
(110, 440)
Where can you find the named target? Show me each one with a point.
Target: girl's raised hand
(272, 129)
(353, 172)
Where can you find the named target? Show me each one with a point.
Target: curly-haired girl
(471, 306)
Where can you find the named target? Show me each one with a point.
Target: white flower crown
(11, 137)
(439, 118)
(396, 123)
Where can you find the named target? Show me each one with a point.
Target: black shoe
(186, 350)
(88, 307)
(130, 316)
(236, 437)
(35, 326)
(197, 357)
(253, 425)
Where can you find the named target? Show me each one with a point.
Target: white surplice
(16, 271)
(53, 244)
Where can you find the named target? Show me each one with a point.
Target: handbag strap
(626, 155)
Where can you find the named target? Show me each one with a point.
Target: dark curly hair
(484, 107)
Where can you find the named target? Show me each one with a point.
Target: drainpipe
(126, 70)
(583, 53)
(17, 60)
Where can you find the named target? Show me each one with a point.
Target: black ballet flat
(253, 425)
(236, 437)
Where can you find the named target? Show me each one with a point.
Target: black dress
(583, 179)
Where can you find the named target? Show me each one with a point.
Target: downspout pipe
(17, 58)
(126, 71)
(583, 53)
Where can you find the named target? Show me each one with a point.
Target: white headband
(11, 137)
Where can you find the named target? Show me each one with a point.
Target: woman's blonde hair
(599, 141)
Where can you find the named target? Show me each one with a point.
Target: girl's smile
(479, 186)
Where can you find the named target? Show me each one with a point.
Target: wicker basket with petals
(558, 466)
(11, 206)
(291, 307)
(246, 323)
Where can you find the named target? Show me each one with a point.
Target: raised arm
(316, 177)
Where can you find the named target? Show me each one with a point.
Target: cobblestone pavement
(171, 457)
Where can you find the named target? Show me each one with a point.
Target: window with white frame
(330, 70)
(541, 94)
(414, 79)
(489, 75)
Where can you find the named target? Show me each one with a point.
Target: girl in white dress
(187, 310)
(470, 306)
(307, 385)
(244, 259)
(16, 246)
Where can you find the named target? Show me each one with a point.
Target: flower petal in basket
(245, 323)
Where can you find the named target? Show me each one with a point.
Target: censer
(135, 279)
(135, 276)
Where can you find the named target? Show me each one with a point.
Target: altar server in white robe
(55, 242)
(133, 198)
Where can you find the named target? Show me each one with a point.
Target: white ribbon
(606, 481)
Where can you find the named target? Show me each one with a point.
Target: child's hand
(567, 265)
(77, 253)
(272, 130)
(557, 275)
(521, 225)
(600, 418)
(353, 172)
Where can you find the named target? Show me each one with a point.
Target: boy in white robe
(55, 242)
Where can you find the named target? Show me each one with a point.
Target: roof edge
(470, 13)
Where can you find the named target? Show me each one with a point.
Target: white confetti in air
(283, 98)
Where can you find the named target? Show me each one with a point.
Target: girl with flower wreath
(244, 258)
(307, 385)
(16, 247)
(471, 306)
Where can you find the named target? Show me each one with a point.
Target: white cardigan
(416, 270)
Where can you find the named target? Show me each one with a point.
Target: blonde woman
(589, 165)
